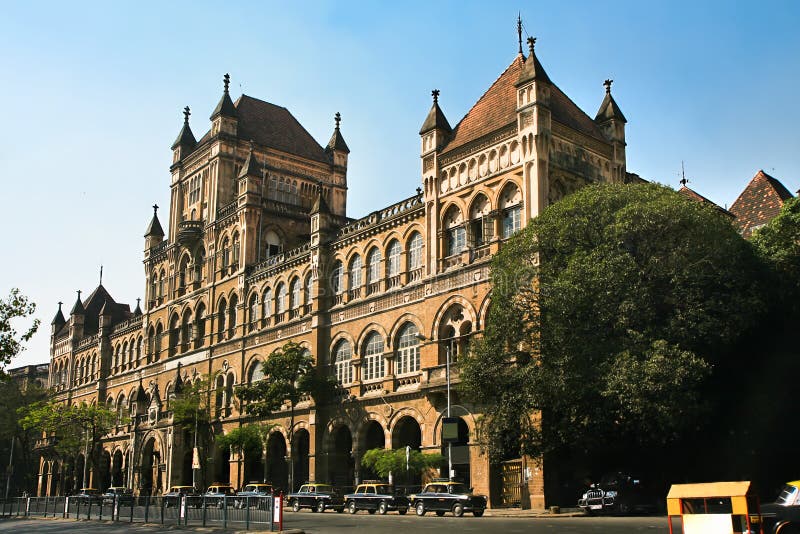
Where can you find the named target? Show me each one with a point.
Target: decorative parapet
(282, 261)
(125, 327)
(88, 341)
(403, 207)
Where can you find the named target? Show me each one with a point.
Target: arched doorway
(374, 438)
(407, 433)
(460, 454)
(104, 471)
(55, 479)
(146, 478)
(300, 450)
(222, 467)
(44, 476)
(277, 470)
(117, 478)
(341, 465)
(186, 468)
(254, 465)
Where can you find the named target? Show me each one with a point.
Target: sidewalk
(535, 512)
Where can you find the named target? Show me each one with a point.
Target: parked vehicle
(173, 496)
(618, 493)
(375, 496)
(123, 495)
(443, 496)
(86, 495)
(253, 489)
(216, 494)
(318, 497)
(783, 515)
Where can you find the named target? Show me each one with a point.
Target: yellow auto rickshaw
(715, 508)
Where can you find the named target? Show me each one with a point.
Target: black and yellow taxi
(375, 496)
(442, 496)
(175, 493)
(218, 494)
(318, 497)
(782, 516)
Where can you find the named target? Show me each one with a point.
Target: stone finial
(338, 119)
(186, 114)
(155, 209)
(531, 44)
(607, 85)
(226, 81)
(519, 31)
(435, 95)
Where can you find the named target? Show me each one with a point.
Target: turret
(435, 130)
(185, 142)
(154, 234)
(58, 321)
(612, 123)
(224, 118)
(337, 150)
(534, 126)
(250, 198)
(77, 318)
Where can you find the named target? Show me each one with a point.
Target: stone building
(259, 251)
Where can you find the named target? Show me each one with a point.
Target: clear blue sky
(92, 96)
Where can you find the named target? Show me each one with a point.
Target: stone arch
(440, 313)
(455, 210)
(391, 339)
(365, 332)
(254, 368)
(483, 312)
(277, 470)
(340, 445)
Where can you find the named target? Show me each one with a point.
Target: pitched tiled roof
(273, 126)
(694, 195)
(759, 203)
(497, 108)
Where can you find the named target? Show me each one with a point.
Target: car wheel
(402, 511)
(351, 507)
(383, 508)
(420, 508)
(295, 505)
(439, 513)
(320, 506)
(458, 509)
(477, 513)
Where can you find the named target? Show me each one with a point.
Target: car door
(370, 502)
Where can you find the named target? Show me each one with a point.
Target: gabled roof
(274, 127)
(497, 108)
(100, 301)
(759, 203)
(694, 195)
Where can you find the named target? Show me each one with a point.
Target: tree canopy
(609, 313)
(385, 461)
(14, 308)
(779, 243)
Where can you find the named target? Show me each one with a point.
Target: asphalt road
(367, 524)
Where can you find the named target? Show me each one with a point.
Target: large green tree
(13, 309)
(247, 438)
(14, 400)
(779, 243)
(75, 429)
(290, 373)
(191, 413)
(610, 312)
(399, 463)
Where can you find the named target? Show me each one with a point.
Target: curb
(188, 528)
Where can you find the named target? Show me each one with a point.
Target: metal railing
(249, 513)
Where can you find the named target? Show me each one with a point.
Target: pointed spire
(185, 137)
(320, 206)
(337, 141)
(59, 320)
(225, 106)
(138, 311)
(435, 118)
(532, 70)
(519, 32)
(154, 228)
(609, 108)
(78, 308)
(250, 167)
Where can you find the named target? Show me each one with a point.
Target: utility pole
(195, 455)
(449, 443)
(10, 469)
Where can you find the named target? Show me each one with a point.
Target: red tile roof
(759, 203)
(497, 108)
(694, 195)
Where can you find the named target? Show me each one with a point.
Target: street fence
(249, 513)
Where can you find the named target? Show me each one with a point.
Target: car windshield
(787, 495)
(383, 489)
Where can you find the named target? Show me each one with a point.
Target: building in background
(759, 203)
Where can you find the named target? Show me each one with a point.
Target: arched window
(123, 356)
(511, 207)
(235, 251)
(183, 273)
(393, 263)
(415, 256)
(139, 351)
(234, 303)
(174, 331)
(296, 295)
(222, 312)
(159, 336)
(117, 363)
(337, 282)
(480, 224)
(373, 357)
(456, 234)
(200, 322)
(309, 291)
(342, 361)
(253, 312)
(280, 300)
(373, 270)
(225, 251)
(407, 349)
(199, 261)
(272, 244)
(257, 371)
(162, 281)
(186, 330)
(355, 277)
(266, 302)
